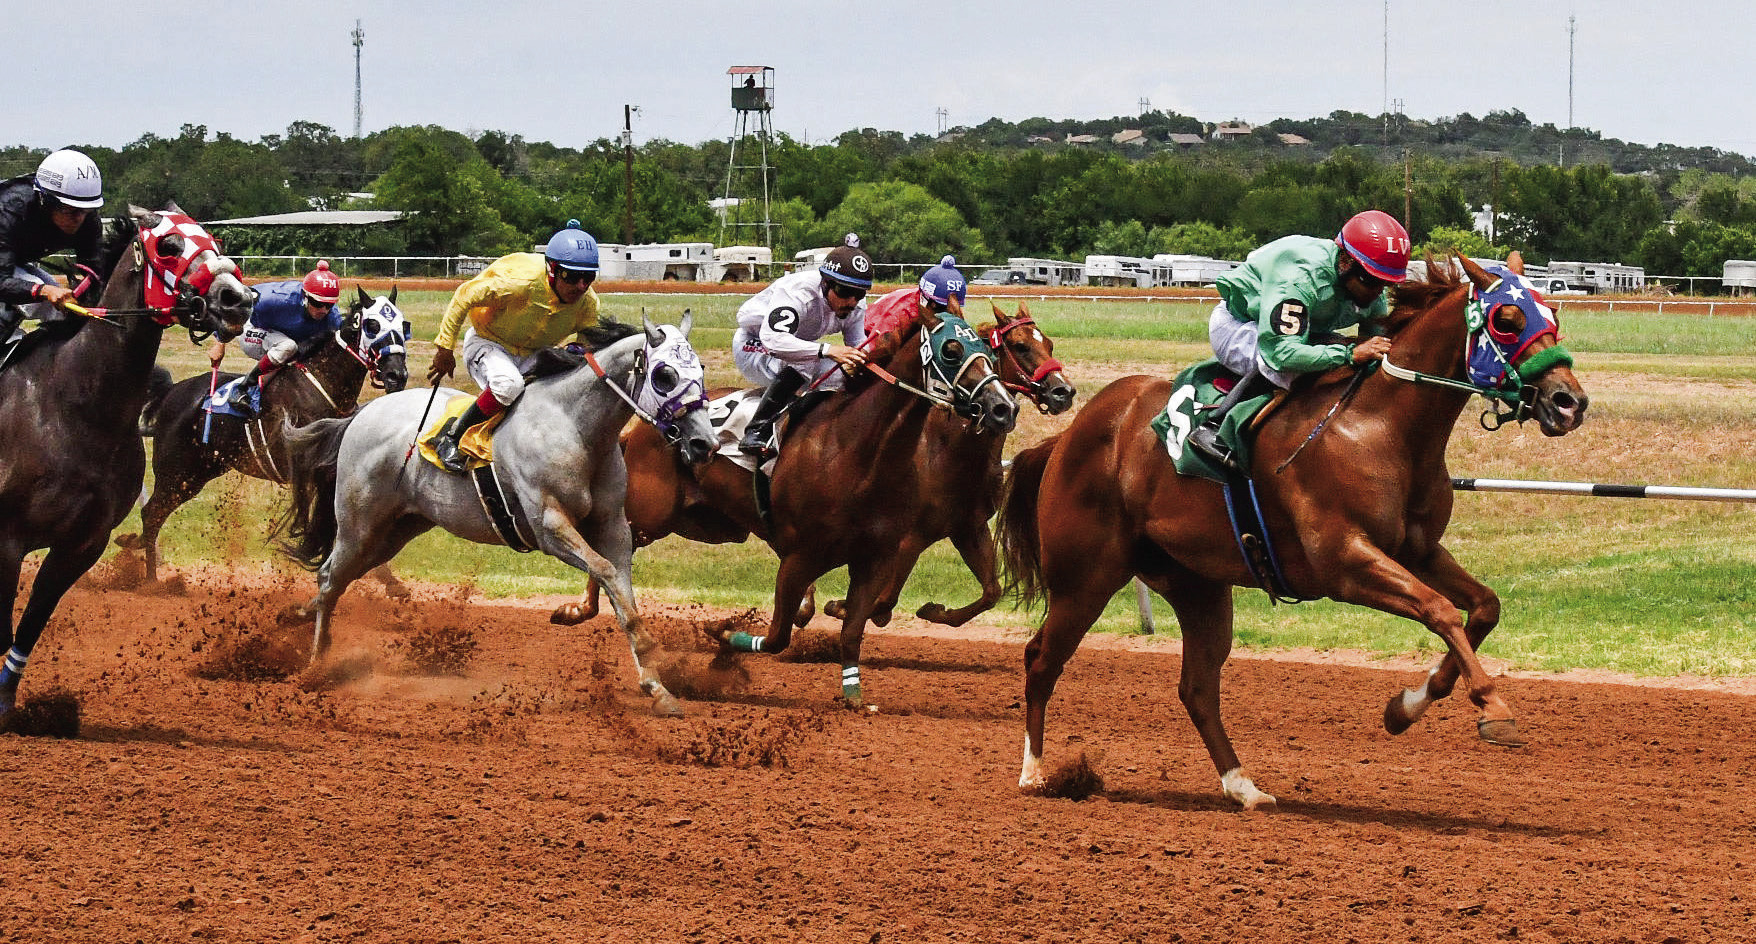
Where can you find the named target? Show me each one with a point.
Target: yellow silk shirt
(511, 304)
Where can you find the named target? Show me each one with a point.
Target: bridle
(1034, 384)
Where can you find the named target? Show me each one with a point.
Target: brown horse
(869, 479)
(714, 504)
(1357, 510)
(71, 459)
(192, 447)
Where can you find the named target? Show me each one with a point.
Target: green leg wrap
(744, 642)
(850, 683)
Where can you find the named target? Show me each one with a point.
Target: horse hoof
(295, 614)
(932, 613)
(1396, 720)
(1503, 733)
(836, 609)
(570, 614)
(665, 705)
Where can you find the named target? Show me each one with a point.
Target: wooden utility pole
(628, 175)
(1408, 193)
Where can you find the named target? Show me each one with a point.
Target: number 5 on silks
(1180, 414)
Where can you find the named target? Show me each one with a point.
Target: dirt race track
(534, 799)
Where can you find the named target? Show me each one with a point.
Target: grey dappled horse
(356, 503)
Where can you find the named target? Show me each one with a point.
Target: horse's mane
(1413, 298)
(121, 236)
(553, 360)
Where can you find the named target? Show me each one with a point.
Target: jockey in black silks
(41, 214)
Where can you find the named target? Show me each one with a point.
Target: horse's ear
(172, 206)
(365, 300)
(147, 219)
(1023, 309)
(1515, 262)
(954, 306)
(999, 316)
(653, 336)
(1476, 273)
(393, 294)
(688, 323)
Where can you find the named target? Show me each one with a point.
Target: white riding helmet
(72, 178)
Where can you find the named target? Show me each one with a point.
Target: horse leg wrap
(744, 642)
(13, 667)
(850, 681)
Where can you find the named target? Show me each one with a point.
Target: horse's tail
(309, 520)
(1016, 530)
(157, 385)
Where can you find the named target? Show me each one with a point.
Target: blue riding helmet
(943, 282)
(573, 248)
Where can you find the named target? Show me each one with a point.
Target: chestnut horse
(71, 459)
(666, 497)
(1357, 508)
(869, 478)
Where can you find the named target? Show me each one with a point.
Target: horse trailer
(1598, 278)
(1119, 271)
(739, 264)
(1022, 271)
(654, 262)
(1740, 276)
(1181, 269)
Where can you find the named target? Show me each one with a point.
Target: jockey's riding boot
(240, 397)
(1204, 438)
(761, 428)
(447, 444)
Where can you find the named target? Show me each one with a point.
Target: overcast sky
(1680, 72)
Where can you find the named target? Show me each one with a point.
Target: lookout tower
(744, 209)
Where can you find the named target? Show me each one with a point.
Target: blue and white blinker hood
(1498, 359)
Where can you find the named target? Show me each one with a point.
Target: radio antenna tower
(359, 40)
(941, 113)
(1570, 30)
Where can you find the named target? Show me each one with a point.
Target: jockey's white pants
(1235, 344)
(256, 342)
(761, 368)
(493, 367)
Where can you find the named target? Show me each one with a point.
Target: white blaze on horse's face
(383, 330)
(674, 383)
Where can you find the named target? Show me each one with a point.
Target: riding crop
(418, 427)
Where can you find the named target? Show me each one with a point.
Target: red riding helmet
(1378, 242)
(322, 286)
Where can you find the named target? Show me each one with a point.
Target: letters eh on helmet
(573, 248)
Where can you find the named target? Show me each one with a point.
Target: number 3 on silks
(1180, 412)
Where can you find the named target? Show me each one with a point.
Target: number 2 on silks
(784, 320)
(1181, 420)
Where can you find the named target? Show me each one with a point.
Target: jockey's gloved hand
(57, 295)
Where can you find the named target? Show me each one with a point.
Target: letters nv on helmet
(71, 178)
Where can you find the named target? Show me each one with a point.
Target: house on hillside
(1232, 131)
(1082, 139)
(1183, 139)
(1293, 140)
(1129, 136)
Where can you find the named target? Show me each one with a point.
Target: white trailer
(1048, 271)
(1182, 269)
(739, 264)
(1598, 278)
(1740, 276)
(654, 262)
(1119, 271)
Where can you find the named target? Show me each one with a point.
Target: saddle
(1196, 389)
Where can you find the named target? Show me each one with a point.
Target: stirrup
(240, 399)
(1205, 440)
(448, 447)
(757, 442)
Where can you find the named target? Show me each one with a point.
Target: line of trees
(983, 193)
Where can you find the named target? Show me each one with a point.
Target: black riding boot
(240, 398)
(1205, 436)
(446, 444)
(761, 428)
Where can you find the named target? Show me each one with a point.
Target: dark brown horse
(71, 459)
(666, 496)
(1357, 515)
(868, 479)
(192, 448)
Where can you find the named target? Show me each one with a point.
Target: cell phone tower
(359, 40)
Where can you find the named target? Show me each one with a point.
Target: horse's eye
(954, 350)
(664, 380)
(171, 246)
(370, 327)
(1508, 319)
